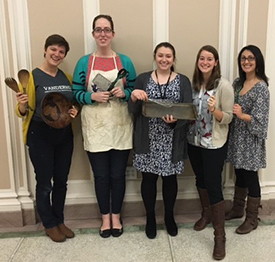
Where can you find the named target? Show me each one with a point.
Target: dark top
(141, 123)
(45, 84)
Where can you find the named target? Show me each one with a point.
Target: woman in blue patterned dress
(213, 97)
(160, 143)
(248, 133)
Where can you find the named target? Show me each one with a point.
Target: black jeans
(248, 179)
(109, 173)
(50, 152)
(207, 165)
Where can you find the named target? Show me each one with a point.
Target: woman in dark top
(160, 143)
(50, 149)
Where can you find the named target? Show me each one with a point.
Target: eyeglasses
(106, 30)
(249, 58)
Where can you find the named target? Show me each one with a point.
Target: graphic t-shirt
(45, 84)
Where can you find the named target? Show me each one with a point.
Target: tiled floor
(29, 244)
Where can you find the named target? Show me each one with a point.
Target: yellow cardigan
(29, 114)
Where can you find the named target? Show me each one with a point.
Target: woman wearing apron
(106, 124)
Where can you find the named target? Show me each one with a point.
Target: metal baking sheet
(178, 110)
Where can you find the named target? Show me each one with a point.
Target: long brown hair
(197, 80)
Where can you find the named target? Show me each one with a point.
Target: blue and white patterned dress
(159, 160)
(246, 146)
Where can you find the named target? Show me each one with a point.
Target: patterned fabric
(106, 64)
(200, 132)
(159, 160)
(246, 148)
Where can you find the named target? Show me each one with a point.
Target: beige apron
(109, 125)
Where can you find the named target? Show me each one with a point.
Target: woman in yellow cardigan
(50, 149)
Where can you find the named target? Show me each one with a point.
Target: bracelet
(213, 110)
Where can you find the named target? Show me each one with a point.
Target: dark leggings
(149, 192)
(50, 152)
(250, 180)
(109, 173)
(207, 165)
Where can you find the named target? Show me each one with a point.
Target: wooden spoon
(23, 76)
(11, 83)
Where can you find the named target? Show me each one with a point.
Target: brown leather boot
(55, 235)
(219, 232)
(206, 212)
(251, 220)
(66, 231)
(237, 210)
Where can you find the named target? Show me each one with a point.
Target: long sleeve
(260, 112)
(81, 94)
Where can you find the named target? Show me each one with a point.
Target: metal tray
(178, 110)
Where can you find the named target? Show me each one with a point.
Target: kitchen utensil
(12, 84)
(162, 108)
(24, 76)
(54, 110)
(121, 73)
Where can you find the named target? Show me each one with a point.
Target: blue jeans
(50, 152)
(109, 173)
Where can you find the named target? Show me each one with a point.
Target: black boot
(170, 224)
(169, 193)
(151, 226)
(206, 212)
(149, 195)
(219, 232)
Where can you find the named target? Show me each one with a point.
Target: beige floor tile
(192, 246)
(8, 247)
(130, 247)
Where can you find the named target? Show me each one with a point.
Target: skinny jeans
(207, 165)
(50, 151)
(109, 175)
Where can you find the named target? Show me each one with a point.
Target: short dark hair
(260, 65)
(107, 17)
(57, 40)
(166, 45)
(216, 72)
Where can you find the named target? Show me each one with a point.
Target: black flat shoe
(151, 227)
(105, 233)
(117, 232)
(171, 226)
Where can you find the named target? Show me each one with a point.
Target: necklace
(163, 96)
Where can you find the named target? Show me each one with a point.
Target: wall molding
(243, 23)
(160, 21)
(227, 37)
(91, 8)
(6, 96)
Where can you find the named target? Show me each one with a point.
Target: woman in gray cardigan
(160, 143)
(213, 97)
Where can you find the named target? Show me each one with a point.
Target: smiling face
(164, 58)
(104, 36)
(206, 62)
(248, 62)
(54, 54)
